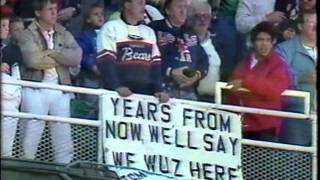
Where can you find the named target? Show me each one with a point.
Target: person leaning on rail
(266, 75)
(48, 50)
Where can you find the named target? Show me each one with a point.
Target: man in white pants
(48, 50)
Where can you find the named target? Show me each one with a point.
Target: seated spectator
(150, 14)
(199, 19)
(287, 30)
(10, 56)
(185, 62)
(301, 55)
(128, 56)
(16, 28)
(266, 76)
(48, 50)
(90, 75)
(250, 13)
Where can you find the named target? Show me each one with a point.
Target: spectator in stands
(7, 7)
(151, 14)
(266, 76)
(48, 51)
(90, 75)
(301, 55)
(184, 60)
(16, 28)
(10, 56)
(128, 56)
(250, 13)
(199, 17)
(67, 10)
(307, 5)
(230, 44)
(290, 8)
(287, 30)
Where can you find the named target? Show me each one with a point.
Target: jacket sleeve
(32, 56)
(156, 65)
(202, 62)
(70, 54)
(107, 56)
(88, 54)
(245, 19)
(270, 86)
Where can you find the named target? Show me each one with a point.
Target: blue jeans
(229, 43)
(296, 131)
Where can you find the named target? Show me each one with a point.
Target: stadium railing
(261, 160)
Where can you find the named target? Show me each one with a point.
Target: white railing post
(314, 145)
(102, 117)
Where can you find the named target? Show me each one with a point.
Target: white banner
(180, 139)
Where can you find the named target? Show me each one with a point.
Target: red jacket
(266, 81)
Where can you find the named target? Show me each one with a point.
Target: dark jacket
(173, 43)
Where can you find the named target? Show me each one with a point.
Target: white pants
(11, 98)
(9, 126)
(44, 102)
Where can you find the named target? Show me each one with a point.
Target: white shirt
(312, 52)
(207, 84)
(50, 75)
(253, 62)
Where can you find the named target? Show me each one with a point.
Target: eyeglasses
(202, 16)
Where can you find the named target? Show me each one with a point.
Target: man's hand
(162, 96)
(275, 17)
(310, 78)
(124, 91)
(66, 13)
(178, 76)
(5, 68)
(235, 84)
(95, 70)
(190, 81)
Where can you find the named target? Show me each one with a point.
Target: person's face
(177, 12)
(16, 29)
(309, 26)
(308, 4)
(263, 44)
(135, 9)
(48, 14)
(96, 17)
(4, 28)
(201, 20)
(288, 33)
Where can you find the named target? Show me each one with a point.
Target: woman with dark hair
(266, 76)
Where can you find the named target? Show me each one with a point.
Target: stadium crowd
(165, 48)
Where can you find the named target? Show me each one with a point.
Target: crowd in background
(165, 48)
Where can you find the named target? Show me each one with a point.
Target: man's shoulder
(289, 44)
